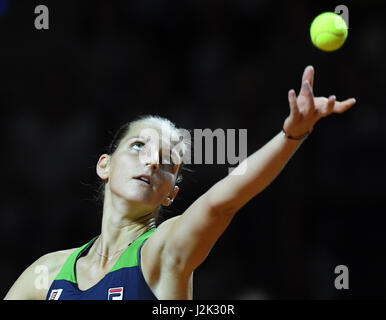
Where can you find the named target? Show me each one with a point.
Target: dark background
(202, 64)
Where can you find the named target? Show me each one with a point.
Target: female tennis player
(132, 258)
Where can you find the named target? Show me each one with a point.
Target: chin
(141, 200)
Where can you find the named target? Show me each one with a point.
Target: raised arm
(188, 238)
(265, 164)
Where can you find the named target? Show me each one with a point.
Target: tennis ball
(328, 31)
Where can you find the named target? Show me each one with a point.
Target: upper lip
(146, 176)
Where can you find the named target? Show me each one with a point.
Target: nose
(154, 166)
(153, 160)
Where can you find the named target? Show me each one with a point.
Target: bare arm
(34, 282)
(189, 238)
(255, 173)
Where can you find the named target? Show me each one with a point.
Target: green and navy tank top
(124, 281)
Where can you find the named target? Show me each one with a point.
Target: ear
(103, 167)
(169, 199)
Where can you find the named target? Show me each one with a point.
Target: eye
(137, 145)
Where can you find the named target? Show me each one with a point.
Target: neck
(121, 225)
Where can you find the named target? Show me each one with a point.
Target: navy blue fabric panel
(122, 284)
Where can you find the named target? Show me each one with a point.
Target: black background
(202, 64)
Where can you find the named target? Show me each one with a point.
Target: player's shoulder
(167, 224)
(154, 247)
(59, 255)
(36, 279)
(162, 231)
(54, 261)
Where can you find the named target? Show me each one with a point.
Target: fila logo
(115, 294)
(55, 294)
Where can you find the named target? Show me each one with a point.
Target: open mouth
(144, 179)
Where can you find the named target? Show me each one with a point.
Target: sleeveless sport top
(124, 281)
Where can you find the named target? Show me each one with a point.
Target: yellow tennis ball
(328, 31)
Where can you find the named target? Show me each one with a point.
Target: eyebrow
(129, 138)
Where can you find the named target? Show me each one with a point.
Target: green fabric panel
(67, 272)
(129, 258)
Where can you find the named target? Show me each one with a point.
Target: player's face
(142, 154)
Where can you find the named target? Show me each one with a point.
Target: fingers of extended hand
(329, 106)
(307, 105)
(343, 106)
(293, 103)
(308, 75)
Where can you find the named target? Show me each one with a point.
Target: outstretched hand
(306, 110)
